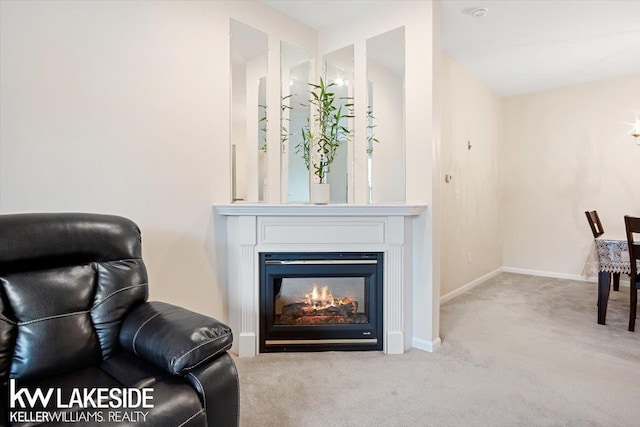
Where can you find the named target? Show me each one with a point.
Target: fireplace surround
(398, 231)
(315, 301)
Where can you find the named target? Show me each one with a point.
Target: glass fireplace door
(320, 301)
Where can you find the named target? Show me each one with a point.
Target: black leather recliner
(75, 321)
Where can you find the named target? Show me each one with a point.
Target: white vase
(320, 193)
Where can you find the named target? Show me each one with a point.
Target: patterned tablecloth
(609, 255)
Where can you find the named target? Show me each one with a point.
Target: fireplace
(318, 301)
(399, 232)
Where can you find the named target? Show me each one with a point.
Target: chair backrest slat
(632, 225)
(594, 223)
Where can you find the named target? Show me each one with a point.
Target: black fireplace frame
(279, 338)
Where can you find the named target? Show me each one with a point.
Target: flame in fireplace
(323, 298)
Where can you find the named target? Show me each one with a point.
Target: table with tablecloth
(608, 255)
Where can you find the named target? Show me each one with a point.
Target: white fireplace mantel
(259, 209)
(255, 228)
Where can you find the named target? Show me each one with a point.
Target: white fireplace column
(256, 228)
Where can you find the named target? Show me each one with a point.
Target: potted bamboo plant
(322, 136)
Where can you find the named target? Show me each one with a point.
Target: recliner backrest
(66, 282)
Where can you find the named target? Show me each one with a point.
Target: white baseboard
(623, 283)
(464, 288)
(548, 274)
(424, 345)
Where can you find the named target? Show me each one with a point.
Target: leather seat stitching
(105, 261)
(11, 322)
(191, 417)
(210, 356)
(133, 341)
(200, 345)
(57, 316)
(204, 394)
(119, 290)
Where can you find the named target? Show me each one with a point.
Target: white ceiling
(521, 46)
(321, 14)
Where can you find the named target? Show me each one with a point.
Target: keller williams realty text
(76, 417)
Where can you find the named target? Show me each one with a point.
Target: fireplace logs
(301, 313)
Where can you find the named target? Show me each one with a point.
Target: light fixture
(339, 81)
(479, 13)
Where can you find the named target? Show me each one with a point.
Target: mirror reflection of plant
(325, 134)
(262, 122)
(370, 132)
(284, 130)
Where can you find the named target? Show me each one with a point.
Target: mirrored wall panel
(338, 72)
(386, 117)
(249, 118)
(296, 73)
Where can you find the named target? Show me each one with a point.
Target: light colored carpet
(516, 351)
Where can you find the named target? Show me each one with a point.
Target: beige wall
(123, 108)
(471, 202)
(538, 161)
(567, 151)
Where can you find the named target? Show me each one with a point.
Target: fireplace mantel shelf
(264, 209)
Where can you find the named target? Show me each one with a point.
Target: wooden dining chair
(594, 223)
(598, 230)
(632, 225)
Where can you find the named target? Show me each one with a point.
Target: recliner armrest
(173, 338)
